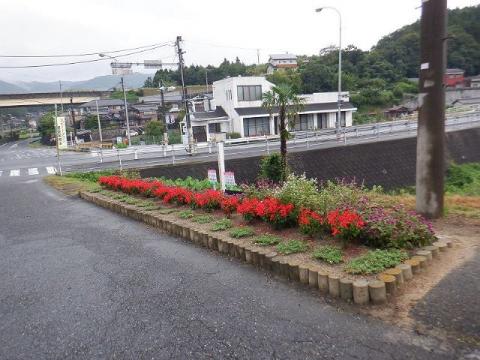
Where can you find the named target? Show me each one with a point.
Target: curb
(360, 292)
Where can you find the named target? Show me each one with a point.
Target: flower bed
(345, 218)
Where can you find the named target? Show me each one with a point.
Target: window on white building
(322, 121)
(256, 126)
(343, 118)
(249, 92)
(214, 128)
(304, 122)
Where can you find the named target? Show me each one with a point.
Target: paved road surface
(80, 282)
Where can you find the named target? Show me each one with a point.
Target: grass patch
(222, 225)
(292, 247)
(328, 254)
(241, 232)
(267, 240)
(186, 214)
(167, 211)
(463, 179)
(376, 261)
(203, 219)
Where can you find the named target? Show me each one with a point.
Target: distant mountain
(107, 82)
(402, 47)
(8, 88)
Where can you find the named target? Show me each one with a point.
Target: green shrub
(203, 219)
(299, 191)
(292, 247)
(186, 214)
(267, 240)
(376, 261)
(221, 225)
(271, 168)
(91, 176)
(329, 254)
(463, 179)
(241, 232)
(233, 135)
(121, 146)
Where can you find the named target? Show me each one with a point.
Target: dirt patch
(466, 239)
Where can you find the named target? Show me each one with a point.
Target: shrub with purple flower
(396, 228)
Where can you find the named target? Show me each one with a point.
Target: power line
(83, 61)
(80, 54)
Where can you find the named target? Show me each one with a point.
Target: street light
(339, 100)
(124, 98)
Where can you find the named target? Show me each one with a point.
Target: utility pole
(61, 95)
(430, 170)
(99, 131)
(181, 66)
(126, 111)
(57, 137)
(258, 56)
(72, 112)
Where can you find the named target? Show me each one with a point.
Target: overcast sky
(212, 29)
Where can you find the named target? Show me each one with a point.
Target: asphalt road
(80, 282)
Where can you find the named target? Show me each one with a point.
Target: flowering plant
(311, 222)
(229, 204)
(346, 224)
(270, 210)
(208, 199)
(397, 228)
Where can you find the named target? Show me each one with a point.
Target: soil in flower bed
(173, 212)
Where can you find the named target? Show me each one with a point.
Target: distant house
(454, 78)
(142, 113)
(399, 111)
(475, 81)
(236, 106)
(281, 61)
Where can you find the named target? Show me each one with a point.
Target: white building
(236, 107)
(281, 61)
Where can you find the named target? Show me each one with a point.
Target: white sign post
(221, 165)
(212, 177)
(230, 178)
(62, 133)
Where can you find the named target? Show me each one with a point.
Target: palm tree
(283, 99)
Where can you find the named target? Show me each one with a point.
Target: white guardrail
(264, 144)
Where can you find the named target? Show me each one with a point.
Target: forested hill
(402, 47)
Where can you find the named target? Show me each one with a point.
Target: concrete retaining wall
(390, 164)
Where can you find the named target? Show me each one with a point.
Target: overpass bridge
(50, 98)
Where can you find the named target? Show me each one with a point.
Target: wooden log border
(360, 292)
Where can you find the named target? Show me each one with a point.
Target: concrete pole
(99, 131)
(126, 111)
(431, 118)
(57, 136)
(221, 164)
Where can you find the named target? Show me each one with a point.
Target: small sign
(61, 133)
(230, 178)
(119, 140)
(212, 176)
(170, 119)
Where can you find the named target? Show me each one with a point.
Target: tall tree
(283, 99)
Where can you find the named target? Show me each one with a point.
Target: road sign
(170, 119)
(212, 176)
(230, 178)
(152, 64)
(61, 133)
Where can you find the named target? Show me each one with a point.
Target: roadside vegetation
(360, 231)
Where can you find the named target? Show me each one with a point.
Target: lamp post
(124, 98)
(339, 100)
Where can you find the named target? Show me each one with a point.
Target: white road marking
(33, 171)
(51, 170)
(1, 172)
(14, 172)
